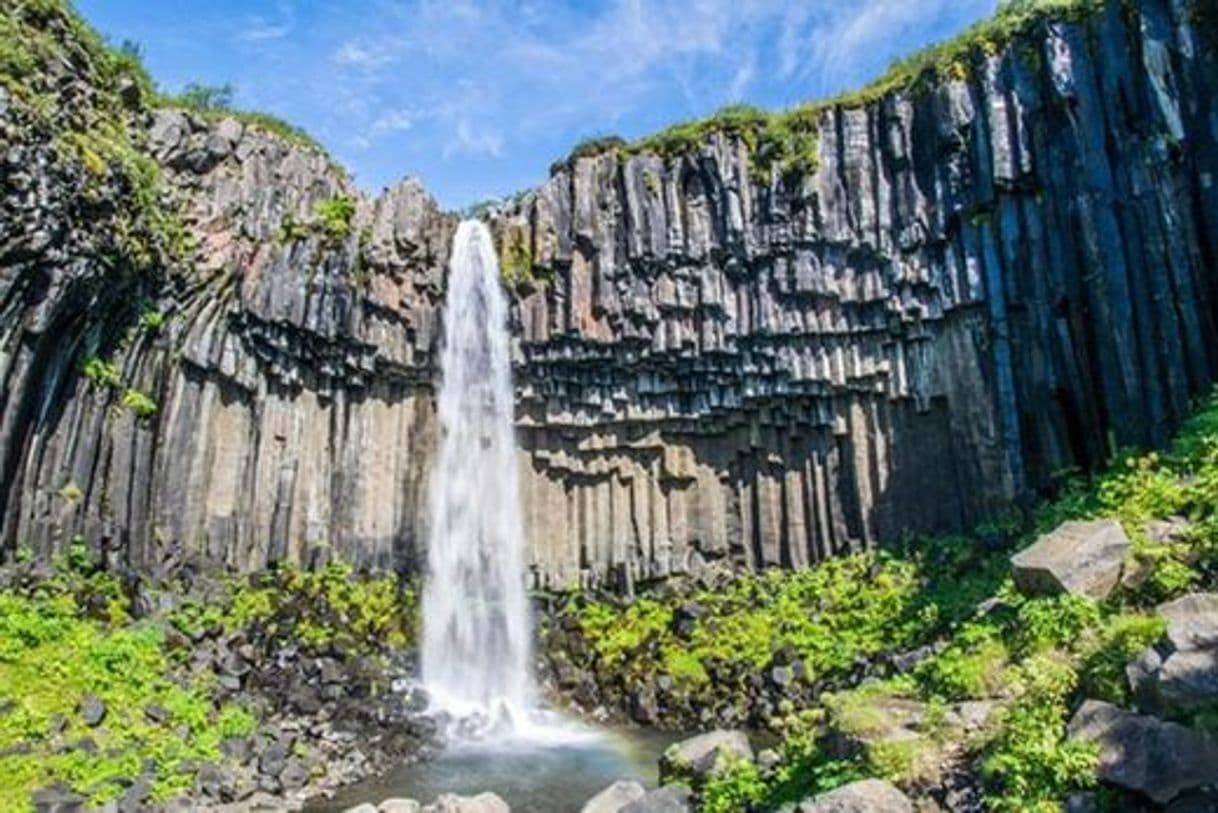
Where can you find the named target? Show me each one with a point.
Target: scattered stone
(295, 774)
(615, 797)
(364, 808)
(156, 713)
(867, 796)
(92, 710)
(705, 755)
(1145, 754)
(1083, 558)
(274, 759)
(668, 799)
(57, 798)
(482, 803)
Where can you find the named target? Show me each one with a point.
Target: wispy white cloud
(262, 32)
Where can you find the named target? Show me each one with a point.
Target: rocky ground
(203, 692)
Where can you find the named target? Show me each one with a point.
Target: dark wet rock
(867, 796)
(668, 799)
(613, 798)
(1145, 754)
(1084, 558)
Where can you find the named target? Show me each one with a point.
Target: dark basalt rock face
(981, 283)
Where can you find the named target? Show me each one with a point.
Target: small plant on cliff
(100, 372)
(139, 402)
(334, 218)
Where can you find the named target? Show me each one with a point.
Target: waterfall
(476, 637)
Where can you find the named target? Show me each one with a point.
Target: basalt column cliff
(972, 284)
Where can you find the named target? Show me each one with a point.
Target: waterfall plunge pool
(537, 776)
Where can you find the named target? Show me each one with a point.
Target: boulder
(1145, 754)
(867, 796)
(482, 803)
(1180, 672)
(1083, 558)
(364, 808)
(705, 755)
(1192, 622)
(613, 798)
(668, 799)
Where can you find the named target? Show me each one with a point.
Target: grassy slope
(73, 635)
(1036, 657)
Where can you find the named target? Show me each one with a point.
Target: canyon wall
(981, 283)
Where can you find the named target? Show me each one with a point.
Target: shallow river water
(533, 777)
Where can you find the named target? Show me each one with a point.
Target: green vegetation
(151, 319)
(786, 143)
(139, 402)
(516, 256)
(1031, 659)
(334, 218)
(99, 134)
(326, 608)
(69, 640)
(331, 220)
(100, 372)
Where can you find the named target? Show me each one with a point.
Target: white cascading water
(476, 637)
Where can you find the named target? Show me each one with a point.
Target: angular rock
(1180, 673)
(1192, 622)
(613, 798)
(867, 796)
(705, 755)
(1083, 558)
(1145, 754)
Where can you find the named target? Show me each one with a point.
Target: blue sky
(477, 98)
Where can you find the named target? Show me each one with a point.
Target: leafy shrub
(1059, 621)
(139, 402)
(100, 372)
(1030, 765)
(334, 218)
(737, 788)
(1122, 638)
(51, 656)
(971, 668)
